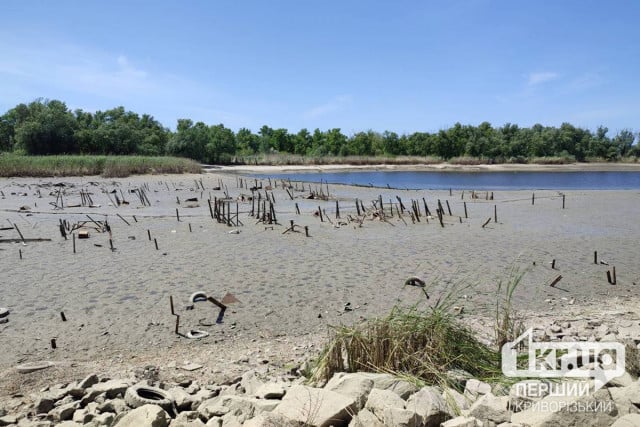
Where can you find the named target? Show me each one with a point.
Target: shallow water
(582, 180)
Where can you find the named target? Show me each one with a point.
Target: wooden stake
(74, 243)
(297, 209)
(465, 209)
(486, 222)
(533, 198)
(190, 228)
(595, 257)
(20, 252)
(495, 213)
(614, 279)
(149, 234)
(53, 343)
(64, 319)
(155, 241)
(448, 207)
(555, 281)
(609, 277)
(177, 215)
(306, 231)
(553, 264)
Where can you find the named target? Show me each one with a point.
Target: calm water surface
(473, 180)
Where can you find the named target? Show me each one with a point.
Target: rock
(145, 416)
(7, 420)
(355, 386)
(67, 424)
(627, 399)
(314, 406)
(523, 393)
(116, 406)
(379, 400)
(43, 405)
(624, 380)
(430, 406)
(402, 418)
(267, 419)
(251, 382)
(111, 388)
(490, 408)
(239, 406)
(83, 416)
(104, 419)
(456, 400)
(271, 391)
(402, 388)
(475, 388)
(187, 419)
(460, 422)
(89, 381)
(201, 396)
(563, 410)
(64, 412)
(182, 399)
(629, 420)
(365, 418)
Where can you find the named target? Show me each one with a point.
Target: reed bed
(12, 165)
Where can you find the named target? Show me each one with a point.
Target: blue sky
(403, 66)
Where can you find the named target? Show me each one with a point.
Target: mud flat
(114, 291)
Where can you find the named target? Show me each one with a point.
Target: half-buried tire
(139, 395)
(198, 297)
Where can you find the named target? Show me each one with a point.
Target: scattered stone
(187, 419)
(456, 400)
(316, 406)
(626, 399)
(271, 391)
(191, 366)
(145, 416)
(7, 420)
(111, 388)
(89, 381)
(43, 405)
(523, 393)
(64, 412)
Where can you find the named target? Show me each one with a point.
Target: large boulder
(316, 407)
(365, 418)
(402, 388)
(594, 409)
(380, 400)
(354, 385)
(629, 420)
(460, 422)
(430, 406)
(627, 399)
(491, 409)
(145, 416)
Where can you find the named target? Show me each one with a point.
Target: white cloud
(332, 106)
(542, 77)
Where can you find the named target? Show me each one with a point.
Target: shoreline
(440, 167)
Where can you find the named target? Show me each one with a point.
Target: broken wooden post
(495, 213)
(533, 198)
(210, 209)
(609, 277)
(595, 257)
(486, 222)
(53, 343)
(553, 264)
(448, 208)
(20, 252)
(177, 215)
(297, 209)
(155, 241)
(555, 281)
(178, 199)
(440, 218)
(149, 234)
(426, 208)
(563, 201)
(74, 242)
(320, 212)
(306, 230)
(125, 221)
(357, 207)
(111, 244)
(134, 218)
(465, 209)
(450, 193)
(614, 275)
(190, 228)
(337, 210)
(19, 233)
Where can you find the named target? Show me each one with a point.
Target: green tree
(48, 130)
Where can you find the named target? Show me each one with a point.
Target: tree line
(49, 127)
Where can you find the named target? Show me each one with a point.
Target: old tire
(198, 297)
(4, 312)
(139, 395)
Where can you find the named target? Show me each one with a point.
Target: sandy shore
(290, 287)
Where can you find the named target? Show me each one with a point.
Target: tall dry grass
(12, 165)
